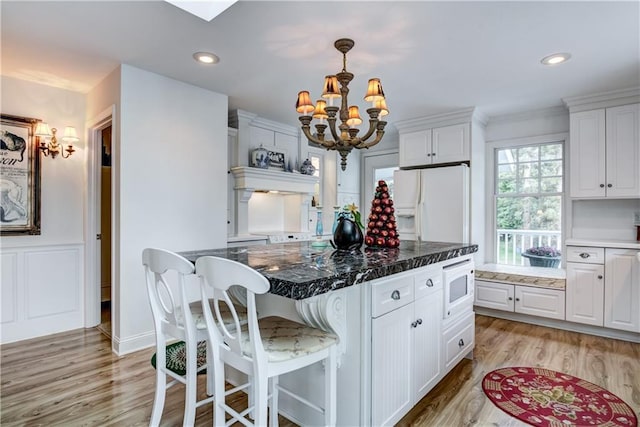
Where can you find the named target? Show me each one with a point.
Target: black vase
(347, 235)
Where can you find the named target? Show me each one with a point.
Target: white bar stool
(263, 349)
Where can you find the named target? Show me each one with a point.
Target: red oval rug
(542, 397)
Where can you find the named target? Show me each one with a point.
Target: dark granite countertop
(299, 270)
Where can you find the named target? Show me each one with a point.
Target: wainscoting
(42, 290)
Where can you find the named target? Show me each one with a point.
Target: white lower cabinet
(585, 293)
(604, 290)
(622, 289)
(405, 342)
(520, 299)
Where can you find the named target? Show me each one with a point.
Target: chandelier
(346, 137)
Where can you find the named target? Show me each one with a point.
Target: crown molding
(557, 110)
(470, 114)
(236, 117)
(603, 99)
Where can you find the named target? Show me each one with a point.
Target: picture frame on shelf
(19, 176)
(277, 160)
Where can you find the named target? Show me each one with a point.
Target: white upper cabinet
(623, 151)
(445, 144)
(605, 152)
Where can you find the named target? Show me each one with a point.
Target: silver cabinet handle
(584, 255)
(414, 324)
(395, 295)
(461, 343)
(430, 283)
(433, 154)
(419, 321)
(599, 276)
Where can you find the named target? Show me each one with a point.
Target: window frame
(492, 148)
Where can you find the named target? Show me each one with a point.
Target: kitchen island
(387, 306)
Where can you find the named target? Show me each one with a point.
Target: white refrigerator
(432, 204)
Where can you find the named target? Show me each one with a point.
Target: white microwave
(458, 287)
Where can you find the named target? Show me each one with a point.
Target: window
(528, 199)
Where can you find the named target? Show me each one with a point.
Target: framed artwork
(277, 160)
(19, 176)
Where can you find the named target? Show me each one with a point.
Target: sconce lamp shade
(374, 91)
(304, 105)
(382, 105)
(331, 89)
(354, 116)
(70, 134)
(319, 112)
(42, 130)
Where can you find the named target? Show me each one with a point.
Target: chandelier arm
(379, 136)
(327, 144)
(332, 128)
(373, 124)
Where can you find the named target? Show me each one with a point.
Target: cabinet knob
(601, 185)
(395, 295)
(428, 154)
(419, 321)
(430, 283)
(609, 185)
(517, 299)
(599, 276)
(461, 343)
(510, 298)
(584, 255)
(433, 154)
(414, 324)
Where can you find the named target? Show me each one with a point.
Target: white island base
(395, 345)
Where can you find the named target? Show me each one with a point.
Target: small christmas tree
(381, 227)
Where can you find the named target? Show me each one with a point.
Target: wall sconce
(53, 148)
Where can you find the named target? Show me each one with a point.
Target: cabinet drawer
(459, 340)
(389, 294)
(427, 281)
(585, 254)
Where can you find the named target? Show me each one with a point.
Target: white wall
(42, 276)
(173, 172)
(171, 154)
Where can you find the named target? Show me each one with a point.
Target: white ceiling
(430, 56)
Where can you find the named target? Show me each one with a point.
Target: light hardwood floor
(73, 379)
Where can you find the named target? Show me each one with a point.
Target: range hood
(294, 186)
(257, 179)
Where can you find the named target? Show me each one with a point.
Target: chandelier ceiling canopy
(345, 138)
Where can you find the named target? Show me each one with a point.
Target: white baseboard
(133, 344)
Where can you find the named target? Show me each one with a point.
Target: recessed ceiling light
(206, 58)
(556, 58)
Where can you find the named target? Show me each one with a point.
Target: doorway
(377, 166)
(104, 233)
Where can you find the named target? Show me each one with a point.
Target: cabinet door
(450, 144)
(586, 154)
(585, 293)
(540, 302)
(498, 296)
(426, 349)
(622, 289)
(415, 148)
(391, 370)
(623, 151)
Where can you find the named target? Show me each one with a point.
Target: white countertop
(602, 243)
